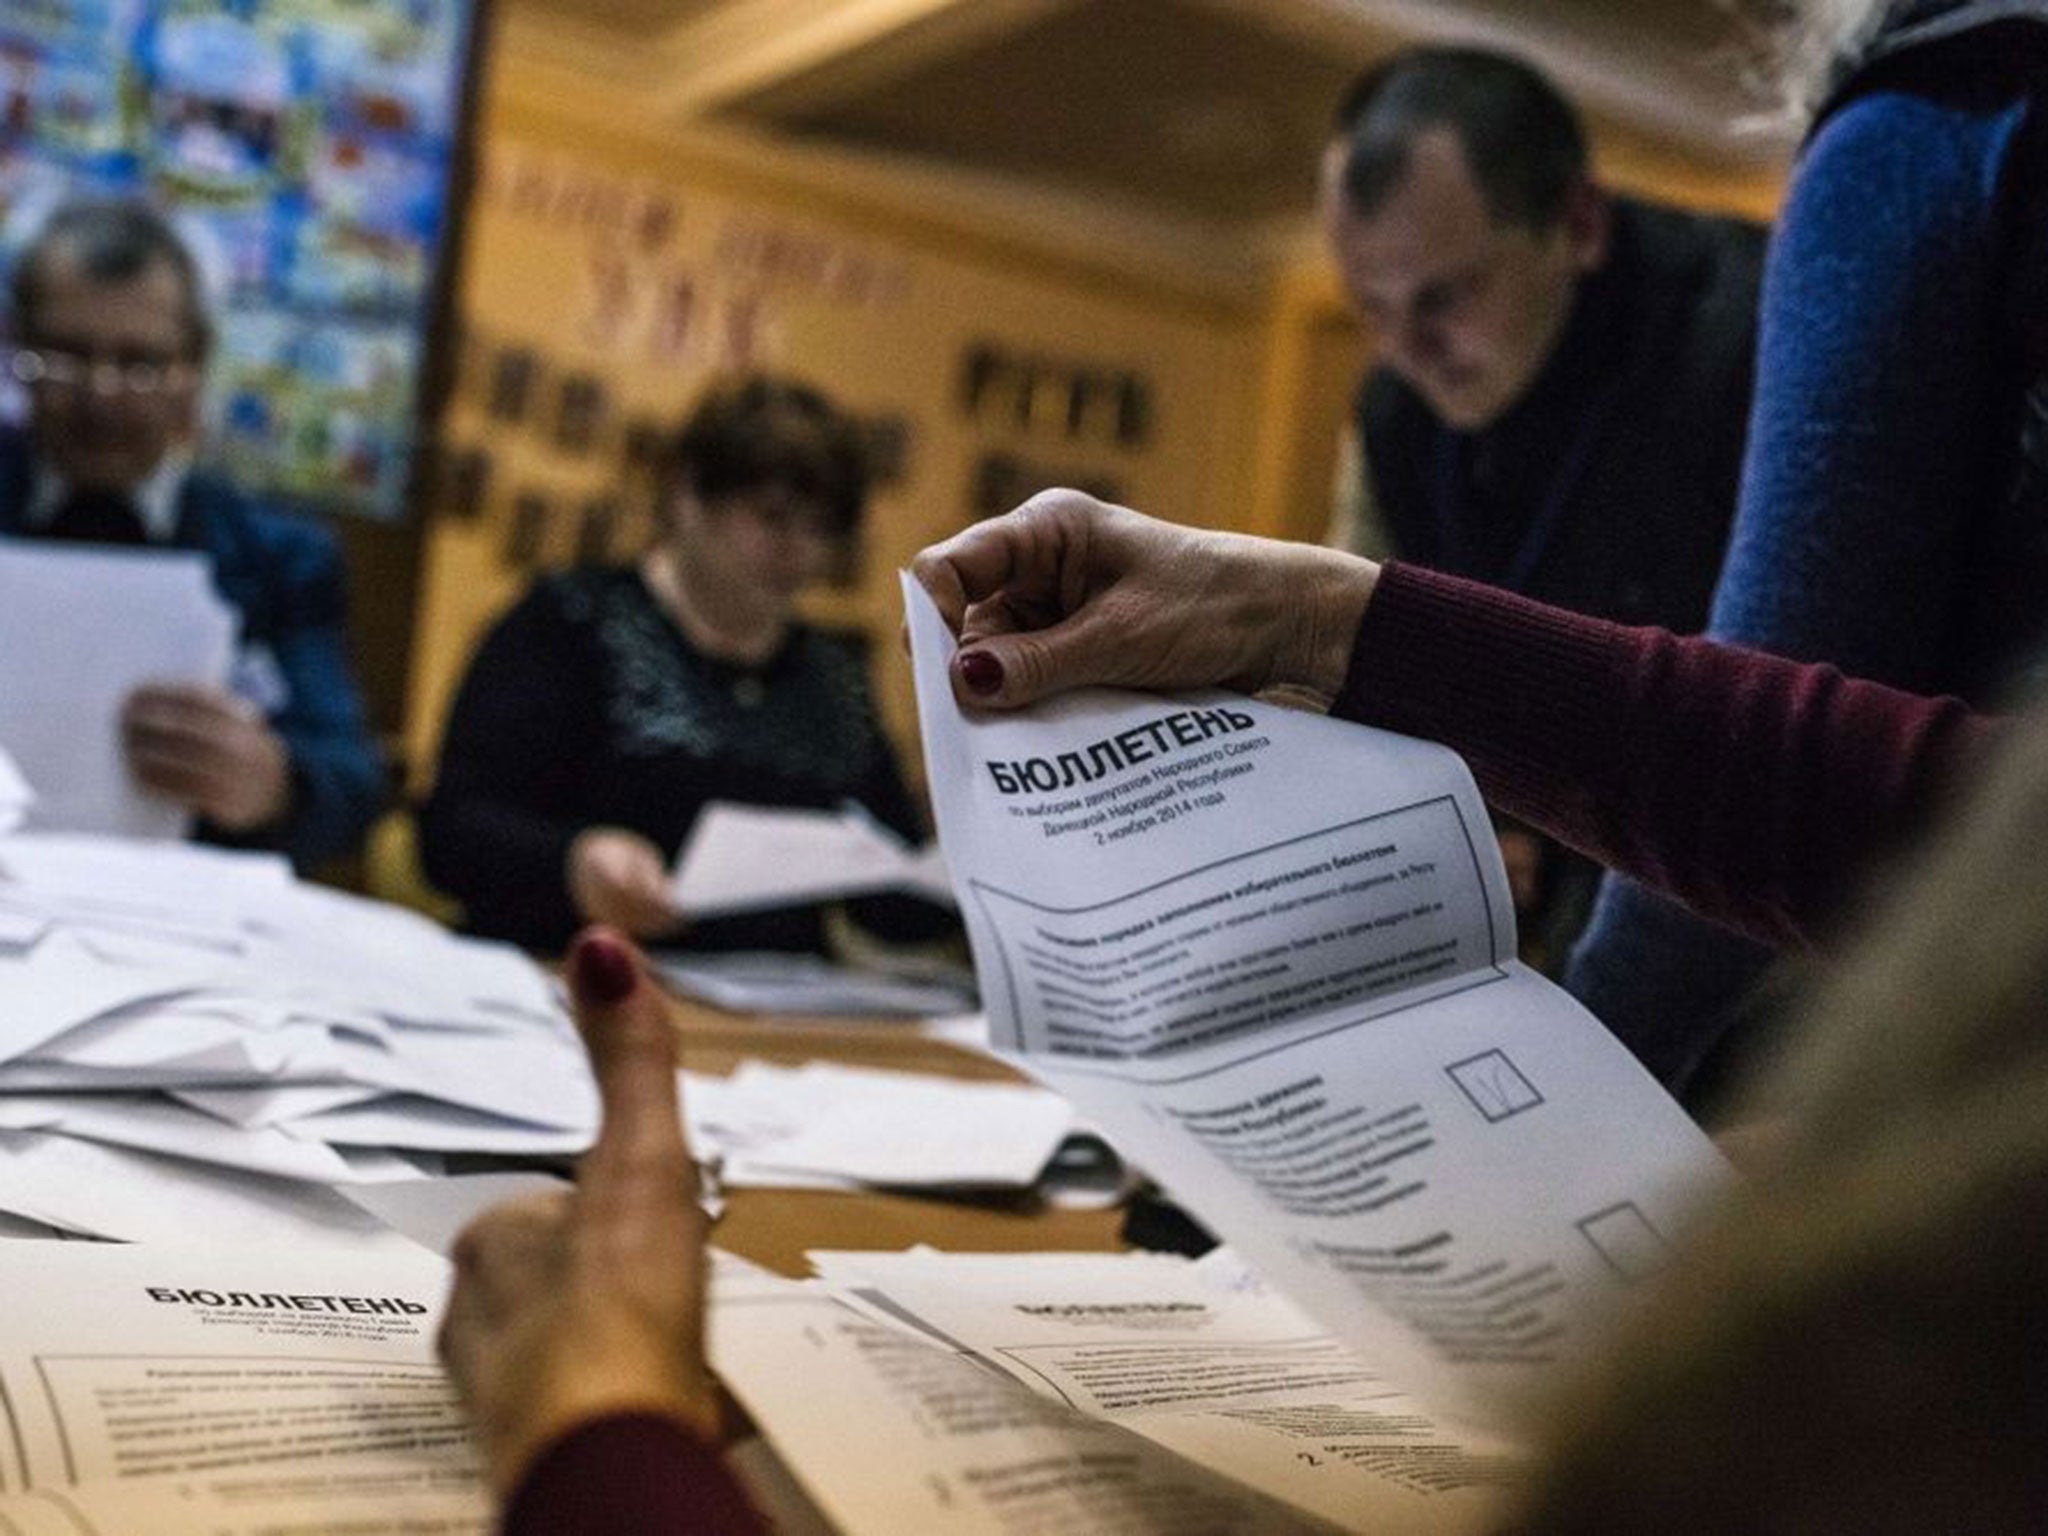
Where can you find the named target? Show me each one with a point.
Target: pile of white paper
(194, 1041)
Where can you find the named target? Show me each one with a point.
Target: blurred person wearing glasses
(112, 337)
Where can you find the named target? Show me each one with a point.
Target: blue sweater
(1878, 529)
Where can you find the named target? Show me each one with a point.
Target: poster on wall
(304, 148)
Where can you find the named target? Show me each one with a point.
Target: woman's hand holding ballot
(1067, 591)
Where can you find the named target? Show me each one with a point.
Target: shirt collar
(156, 497)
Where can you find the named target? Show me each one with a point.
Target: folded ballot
(1271, 956)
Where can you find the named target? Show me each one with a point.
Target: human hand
(620, 878)
(573, 1306)
(208, 751)
(1068, 591)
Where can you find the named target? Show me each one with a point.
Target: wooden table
(774, 1227)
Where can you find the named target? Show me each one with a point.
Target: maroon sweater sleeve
(632, 1474)
(1754, 789)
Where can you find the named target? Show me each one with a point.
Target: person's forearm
(337, 789)
(1754, 789)
(630, 1472)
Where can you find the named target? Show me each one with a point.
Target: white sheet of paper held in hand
(1271, 955)
(742, 858)
(81, 629)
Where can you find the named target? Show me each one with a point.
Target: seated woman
(610, 705)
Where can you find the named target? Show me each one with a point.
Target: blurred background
(475, 259)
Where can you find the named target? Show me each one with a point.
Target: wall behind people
(610, 271)
(613, 265)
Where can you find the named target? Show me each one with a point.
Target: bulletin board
(305, 148)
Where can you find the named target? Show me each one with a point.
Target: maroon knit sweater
(1756, 790)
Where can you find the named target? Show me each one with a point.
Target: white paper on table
(272, 1105)
(60, 984)
(889, 1433)
(152, 1123)
(21, 930)
(188, 877)
(742, 858)
(140, 1197)
(1271, 957)
(82, 629)
(16, 794)
(519, 1074)
(772, 981)
(1234, 1377)
(427, 1125)
(322, 1409)
(913, 1130)
(433, 1211)
(146, 1044)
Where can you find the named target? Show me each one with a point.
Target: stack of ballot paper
(193, 1041)
(999, 1392)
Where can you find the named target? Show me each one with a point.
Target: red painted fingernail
(601, 971)
(981, 672)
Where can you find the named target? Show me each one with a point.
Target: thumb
(632, 1049)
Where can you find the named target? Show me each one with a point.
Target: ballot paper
(228, 1391)
(743, 858)
(889, 1432)
(82, 628)
(1271, 957)
(1205, 1360)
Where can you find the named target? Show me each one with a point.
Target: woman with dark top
(610, 705)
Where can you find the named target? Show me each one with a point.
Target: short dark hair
(1522, 140)
(761, 433)
(112, 240)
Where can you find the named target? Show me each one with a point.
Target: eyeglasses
(52, 369)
